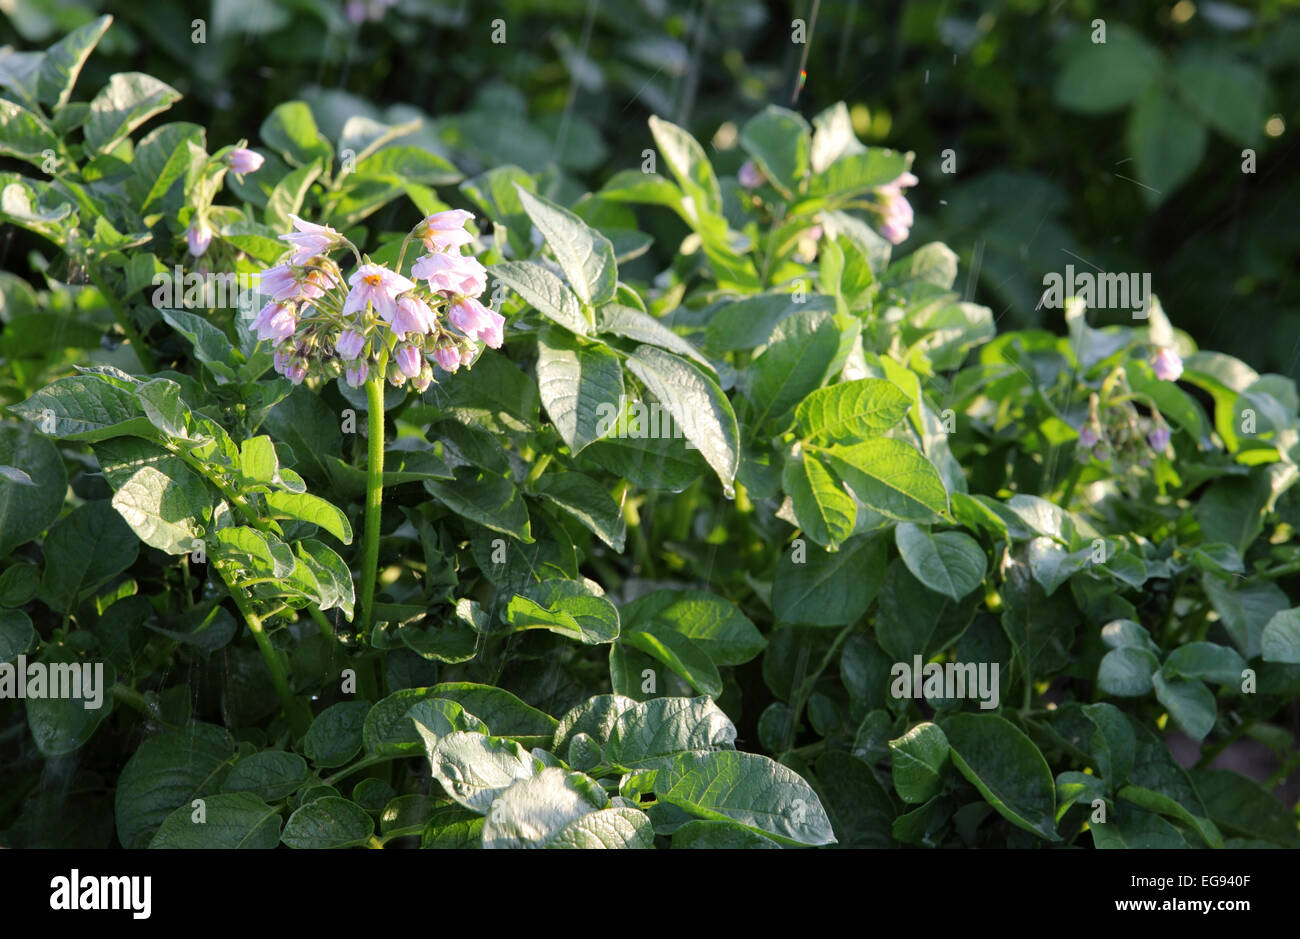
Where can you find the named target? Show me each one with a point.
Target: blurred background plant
(1127, 155)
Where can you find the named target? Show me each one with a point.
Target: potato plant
(457, 527)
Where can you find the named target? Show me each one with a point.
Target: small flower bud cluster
(376, 319)
(1119, 435)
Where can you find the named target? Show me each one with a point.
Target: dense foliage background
(903, 452)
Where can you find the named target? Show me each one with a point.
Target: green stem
(374, 498)
(296, 711)
(326, 629)
(539, 467)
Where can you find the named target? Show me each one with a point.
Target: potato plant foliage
(784, 545)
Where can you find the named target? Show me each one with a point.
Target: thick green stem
(374, 498)
(296, 711)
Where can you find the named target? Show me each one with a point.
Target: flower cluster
(376, 321)
(1117, 433)
(895, 211)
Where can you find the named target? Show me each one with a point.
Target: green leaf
(891, 477)
(26, 511)
(61, 722)
(1105, 76)
(23, 134)
(313, 509)
(16, 634)
(166, 773)
(331, 822)
(499, 709)
(291, 130)
(849, 411)
(581, 387)
(1167, 143)
(1126, 672)
(714, 834)
(333, 576)
(86, 407)
(571, 608)
(584, 254)
(1228, 94)
(486, 499)
(749, 789)
(83, 551)
(696, 403)
(856, 173)
(127, 101)
(689, 164)
(829, 588)
(534, 811)
(588, 502)
(166, 504)
(650, 734)
(1113, 744)
(798, 355)
(912, 619)
(919, 757)
(822, 506)
(619, 827)
(1206, 660)
(1189, 702)
(543, 291)
(335, 736)
(633, 324)
(473, 769)
(230, 820)
(287, 197)
(1280, 640)
(1243, 807)
(389, 730)
(1009, 771)
(679, 653)
(1134, 829)
(780, 142)
(268, 774)
(1163, 805)
(714, 624)
(950, 563)
(833, 137)
(861, 811)
(63, 61)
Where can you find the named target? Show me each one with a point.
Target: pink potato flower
(309, 240)
(276, 322)
(285, 282)
(749, 175)
(451, 273)
(242, 160)
(412, 316)
(409, 360)
(349, 344)
(477, 321)
(355, 375)
(444, 230)
(1159, 438)
(1167, 364)
(378, 286)
(447, 357)
(198, 236)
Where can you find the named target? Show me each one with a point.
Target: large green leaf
(829, 588)
(585, 255)
(474, 769)
(229, 820)
(27, 510)
(951, 562)
(749, 789)
(919, 757)
(533, 812)
(822, 506)
(166, 504)
(1167, 143)
(83, 551)
(714, 624)
(166, 773)
(543, 291)
(697, 404)
(486, 499)
(63, 61)
(851, 410)
(86, 407)
(127, 101)
(1008, 770)
(779, 141)
(651, 734)
(331, 822)
(1105, 76)
(891, 477)
(581, 387)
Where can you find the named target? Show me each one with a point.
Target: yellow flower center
(372, 279)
